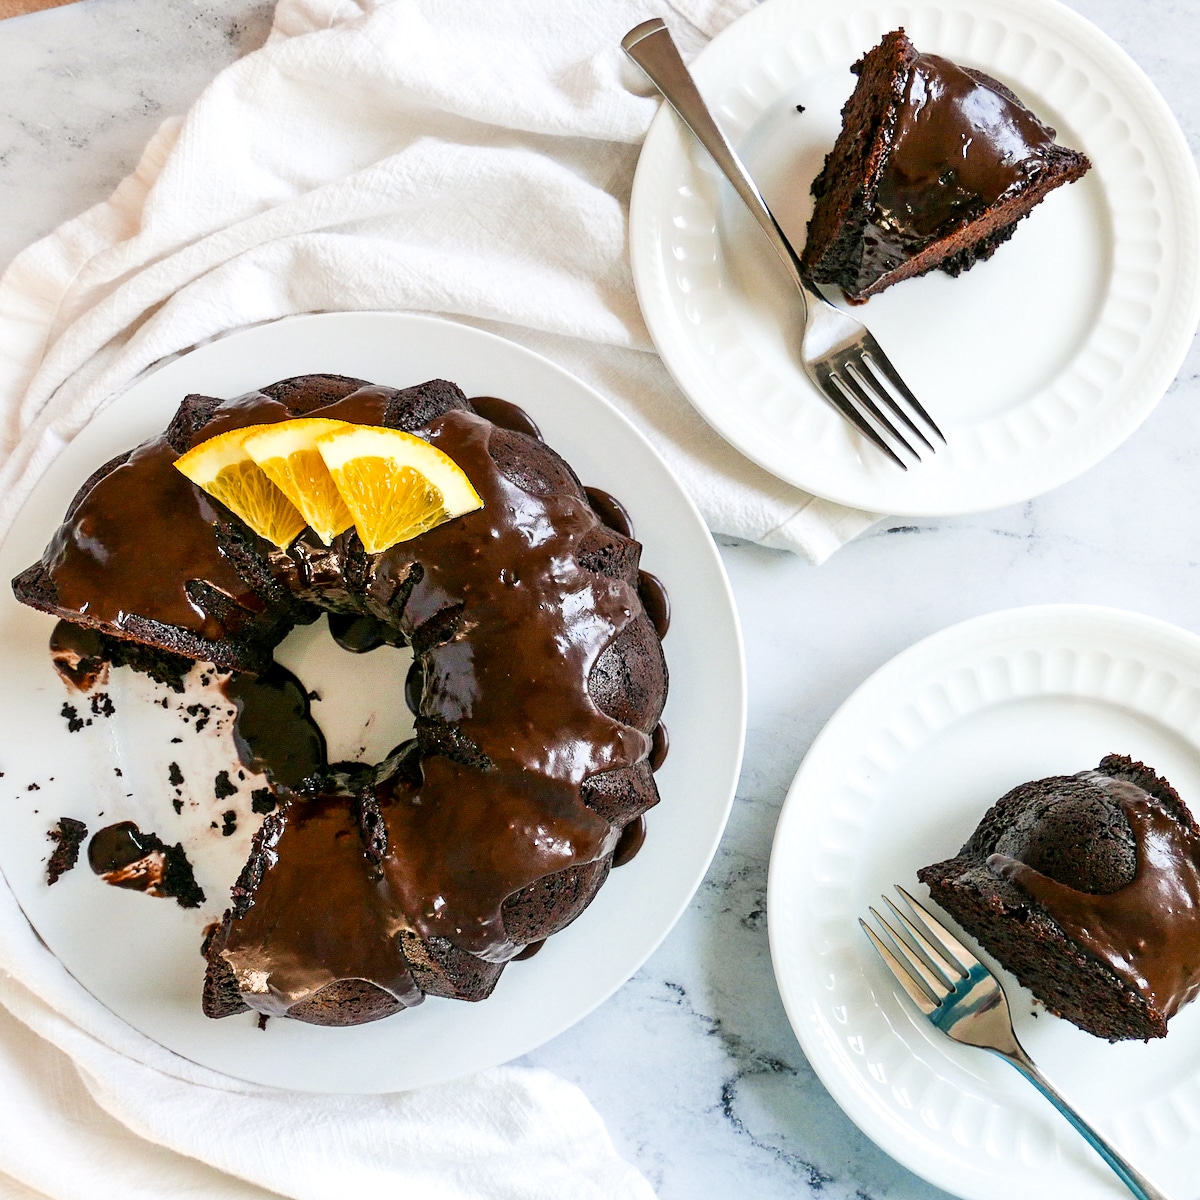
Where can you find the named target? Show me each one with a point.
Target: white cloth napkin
(461, 157)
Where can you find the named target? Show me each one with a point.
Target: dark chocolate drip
(78, 654)
(141, 862)
(274, 730)
(633, 837)
(361, 632)
(506, 415)
(959, 146)
(1147, 932)
(529, 951)
(659, 747)
(655, 600)
(611, 511)
(118, 846)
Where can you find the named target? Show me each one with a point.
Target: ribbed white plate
(899, 778)
(1036, 364)
(141, 956)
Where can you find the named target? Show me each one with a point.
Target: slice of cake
(934, 166)
(1087, 888)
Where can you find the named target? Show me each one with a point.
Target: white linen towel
(461, 157)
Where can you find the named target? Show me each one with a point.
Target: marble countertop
(693, 1063)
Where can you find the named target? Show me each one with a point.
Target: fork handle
(1129, 1175)
(650, 46)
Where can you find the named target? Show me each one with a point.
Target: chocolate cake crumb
(229, 823)
(71, 715)
(201, 712)
(34, 787)
(262, 1020)
(799, 108)
(174, 775)
(102, 705)
(262, 801)
(223, 786)
(69, 835)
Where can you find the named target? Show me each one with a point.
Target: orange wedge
(395, 485)
(288, 453)
(223, 468)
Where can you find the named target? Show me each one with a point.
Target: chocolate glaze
(279, 953)
(529, 951)
(659, 747)
(633, 837)
(117, 847)
(499, 806)
(128, 858)
(958, 147)
(506, 415)
(78, 654)
(611, 511)
(1147, 932)
(274, 730)
(144, 512)
(361, 632)
(657, 603)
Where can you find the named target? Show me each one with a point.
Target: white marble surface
(693, 1063)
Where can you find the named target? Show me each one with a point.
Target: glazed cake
(934, 166)
(537, 685)
(1087, 888)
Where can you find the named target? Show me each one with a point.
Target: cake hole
(359, 702)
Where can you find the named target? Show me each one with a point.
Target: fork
(965, 1001)
(839, 355)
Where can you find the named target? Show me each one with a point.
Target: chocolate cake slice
(1087, 888)
(934, 166)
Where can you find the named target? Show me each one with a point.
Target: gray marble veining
(693, 1063)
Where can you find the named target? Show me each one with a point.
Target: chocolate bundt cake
(537, 684)
(934, 166)
(1087, 888)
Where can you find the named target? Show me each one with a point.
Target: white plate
(1036, 364)
(140, 956)
(899, 778)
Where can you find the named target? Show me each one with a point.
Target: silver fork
(839, 355)
(965, 1001)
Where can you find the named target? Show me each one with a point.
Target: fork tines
(927, 960)
(868, 384)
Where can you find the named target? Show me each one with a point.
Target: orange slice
(288, 453)
(223, 468)
(395, 485)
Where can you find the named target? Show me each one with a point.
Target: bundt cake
(1087, 888)
(537, 684)
(934, 166)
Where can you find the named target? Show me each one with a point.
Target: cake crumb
(74, 721)
(102, 705)
(229, 823)
(262, 801)
(68, 835)
(174, 775)
(223, 786)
